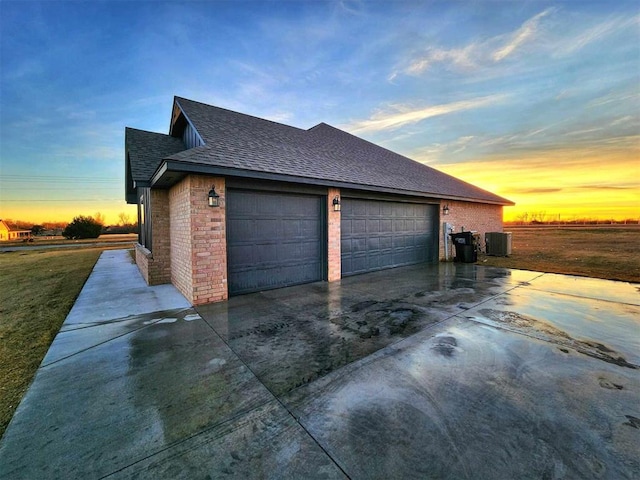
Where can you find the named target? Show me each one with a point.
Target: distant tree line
(125, 225)
(542, 218)
(80, 227)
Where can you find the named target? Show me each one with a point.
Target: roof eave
(172, 171)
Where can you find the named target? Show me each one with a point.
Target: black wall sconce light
(214, 198)
(336, 203)
(445, 210)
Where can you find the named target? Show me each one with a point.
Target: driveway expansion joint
(281, 403)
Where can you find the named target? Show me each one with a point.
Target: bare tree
(523, 217)
(124, 219)
(99, 218)
(538, 217)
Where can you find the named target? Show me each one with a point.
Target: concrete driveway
(446, 371)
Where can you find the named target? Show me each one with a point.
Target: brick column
(198, 240)
(333, 230)
(209, 240)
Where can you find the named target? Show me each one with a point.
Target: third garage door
(380, 234)
(273, 240)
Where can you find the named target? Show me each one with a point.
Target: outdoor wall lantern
(336, 203)
(445, 210)
(213, 197)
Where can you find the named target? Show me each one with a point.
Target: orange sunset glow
(565, 185)
(66, 212)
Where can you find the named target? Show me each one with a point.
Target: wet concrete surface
(447, 371)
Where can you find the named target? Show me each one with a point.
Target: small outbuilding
(229, 204)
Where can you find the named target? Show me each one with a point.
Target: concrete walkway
(446, 371)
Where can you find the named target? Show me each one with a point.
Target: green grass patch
(37, 290)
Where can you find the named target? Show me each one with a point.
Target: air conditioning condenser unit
(498, 243)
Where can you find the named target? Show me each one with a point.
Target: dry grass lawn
(611, 253)
(37, 290)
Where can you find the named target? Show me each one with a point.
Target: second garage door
(380, 234)
(273, 240)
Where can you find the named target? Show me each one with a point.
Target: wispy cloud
(463, 58)
(525, 33)
(402, 115)
(532, 33)
(627, 95)
(609, 187)
(492, 50)
(595, 33)
(533, 190)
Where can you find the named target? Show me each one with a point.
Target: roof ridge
(176, 97)
(146, 131)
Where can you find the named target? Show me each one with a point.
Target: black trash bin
(466, 244)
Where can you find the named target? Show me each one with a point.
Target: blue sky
(537, 101)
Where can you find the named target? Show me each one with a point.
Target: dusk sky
(536, 101)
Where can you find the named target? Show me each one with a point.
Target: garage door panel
(308, 251)
(266, 205)
(239, 229)
(310, 228)
(359, 263)
(240, 253)
(359, 209)
(291, 229)
(265, 228)
(273, 240)
(386, 225)
(382, 234)
(345, 246)
(265, 254)
(244, 205)
(373, 243)
(359, 226)
(386, 242)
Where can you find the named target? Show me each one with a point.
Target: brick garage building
(293, 205)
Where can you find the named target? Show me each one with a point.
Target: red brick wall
(472, 216)
(180, 237)
(198, 240)
(142, 261)
(333, 230)
(160, 268)
(155, 265)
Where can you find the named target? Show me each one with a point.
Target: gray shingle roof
(235, 142)
(146, 151)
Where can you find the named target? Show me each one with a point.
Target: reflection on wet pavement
(549, 333)
(447, 371)
(464, 400)
(290, 337)
(608, 330)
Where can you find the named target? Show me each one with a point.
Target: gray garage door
(377, 235)
(273, 240)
